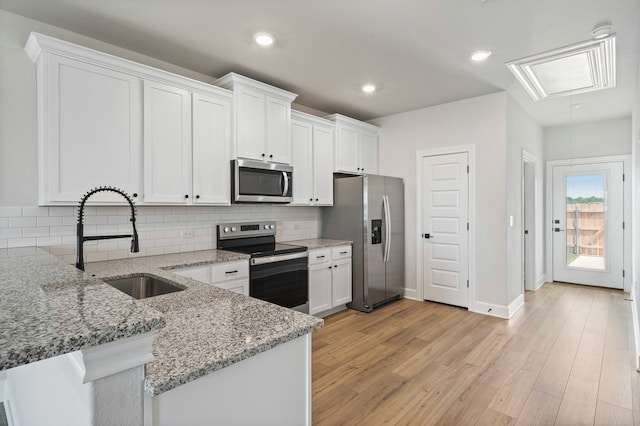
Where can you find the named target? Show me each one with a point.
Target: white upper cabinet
(167, 144)
(92, 130)
(312, 148)
(211, 135)
(261, 119)
(356, 146)
(89, 130)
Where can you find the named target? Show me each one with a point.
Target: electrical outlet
(186, 233)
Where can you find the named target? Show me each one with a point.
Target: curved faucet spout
(135, 247)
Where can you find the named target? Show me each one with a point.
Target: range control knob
(272, 226)
(226, 229)
(266, 227)
(233, 229)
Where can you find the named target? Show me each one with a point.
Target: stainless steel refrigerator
(369, 210)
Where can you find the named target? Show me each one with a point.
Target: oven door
(284, 282)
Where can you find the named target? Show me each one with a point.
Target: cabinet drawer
(238, 286)
(341, 252)
(229, 271)
(200, 273)
(319, 256)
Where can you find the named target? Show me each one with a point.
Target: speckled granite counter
(49, 308)
(317, 243)
(208, 328)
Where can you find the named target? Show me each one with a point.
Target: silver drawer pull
(231, 272)
(344, 252)
(319, 257)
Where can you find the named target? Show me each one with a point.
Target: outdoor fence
(585, 229)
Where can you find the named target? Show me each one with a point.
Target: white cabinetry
(167, 143)
(356, 146)
(89, 129)
(233, 276)
(312, 148)
(329, 279)
(91, 121)
(186, 146)
(261, 119)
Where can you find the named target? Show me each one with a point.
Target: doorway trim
(627, 233)
(471, 152)
(528, 258)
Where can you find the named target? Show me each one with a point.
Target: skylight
(580, 68)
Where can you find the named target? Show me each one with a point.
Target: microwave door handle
(286, 184)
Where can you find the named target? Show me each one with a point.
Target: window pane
(586, 207)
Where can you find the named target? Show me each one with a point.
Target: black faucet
(135, 248)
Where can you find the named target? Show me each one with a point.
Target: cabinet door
(91, 131)
(250, 124)
(319, 288)
(278, 130)
(200, 273)
(301, 147)
(346, 159)
(238, 286)
(368, 153)
(322, 166)
(167, 144)
(211, 145)
(341, 282)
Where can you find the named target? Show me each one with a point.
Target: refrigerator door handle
(387, 228)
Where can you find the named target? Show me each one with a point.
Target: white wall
(23, 223)
(522, 133)
(635, 146)
(480, 121)
(594, 139)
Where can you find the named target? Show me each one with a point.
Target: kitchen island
(219, 356)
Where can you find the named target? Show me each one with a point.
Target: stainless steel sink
(143, 286)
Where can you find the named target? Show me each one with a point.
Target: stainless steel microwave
(261, 182)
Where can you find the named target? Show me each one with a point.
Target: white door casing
(444, 229)
(605, 268)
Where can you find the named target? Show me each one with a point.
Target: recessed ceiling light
(368, 88)
(480, 55)
(263, 39)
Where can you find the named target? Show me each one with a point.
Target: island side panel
(273, 387)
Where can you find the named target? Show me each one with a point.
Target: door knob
(557, 230)
(427, 236)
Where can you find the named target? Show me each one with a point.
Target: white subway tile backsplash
(10, 211)
(35, 211)
(61, 211)
(50, 221)
(21, 222)
(158, 227)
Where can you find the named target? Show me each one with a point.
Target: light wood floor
(565, 358)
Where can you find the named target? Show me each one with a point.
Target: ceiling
(415, 51)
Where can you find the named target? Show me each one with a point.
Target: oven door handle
(278, 258)
(286, 184)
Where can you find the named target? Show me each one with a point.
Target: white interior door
(588, 217)
(445, 237)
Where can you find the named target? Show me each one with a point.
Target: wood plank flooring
(565, 358)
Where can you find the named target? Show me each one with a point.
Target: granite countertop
(50, 308)
(318, 243)
(208, 328)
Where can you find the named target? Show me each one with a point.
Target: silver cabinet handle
(286, 183)
(231, 272)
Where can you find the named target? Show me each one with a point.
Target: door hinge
(467, 226)
(467, 169)
(623, 273)
(622, 225)
(467, 283)
(623, 177)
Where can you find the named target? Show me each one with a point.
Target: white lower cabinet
(329, 279)
(233, 276)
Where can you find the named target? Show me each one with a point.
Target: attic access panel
(583, 67)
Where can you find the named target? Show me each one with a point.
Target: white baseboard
(516, 305)
(410, 293)
(636, 326)
(540, 282)
(491, 309)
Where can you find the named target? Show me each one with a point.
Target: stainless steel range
(278, 272)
